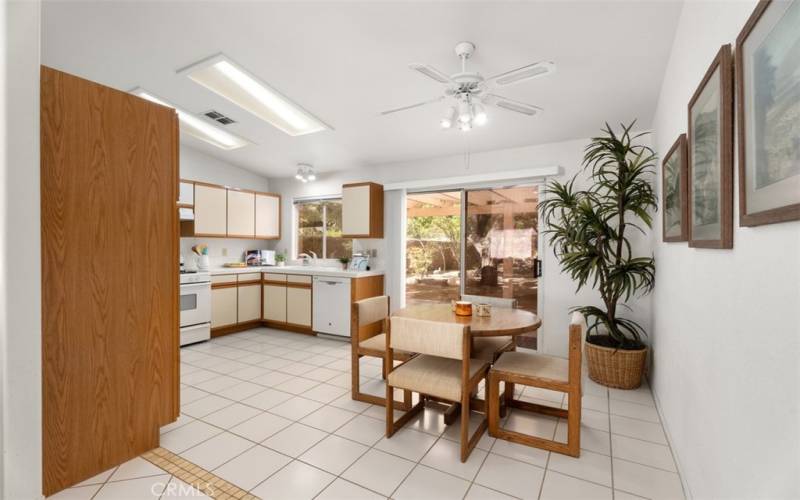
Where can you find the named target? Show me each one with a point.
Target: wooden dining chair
(443, 369)
(489, 348)
(547, 372)
(369, 321)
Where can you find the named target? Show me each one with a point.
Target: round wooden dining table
(502, 321)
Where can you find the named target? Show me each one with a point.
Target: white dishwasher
(331, 305)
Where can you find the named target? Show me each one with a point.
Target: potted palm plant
(589, 231)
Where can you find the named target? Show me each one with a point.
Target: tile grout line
(362, 412)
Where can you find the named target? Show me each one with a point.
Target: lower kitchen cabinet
(223, 306)
(275, 303)
(249, 302)
(298, 306)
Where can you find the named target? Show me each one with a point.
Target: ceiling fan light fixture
(465, 126)
(478, 114)
(449, 117)
(464, 112)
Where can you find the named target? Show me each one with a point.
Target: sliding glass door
(433, 247)
(475, 242)
(501, 244)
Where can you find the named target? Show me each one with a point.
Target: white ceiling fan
(470, 92)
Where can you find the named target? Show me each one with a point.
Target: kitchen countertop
(307, 270)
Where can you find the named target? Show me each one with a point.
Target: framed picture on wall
(768, 104)
(710, 156)
(674, 187)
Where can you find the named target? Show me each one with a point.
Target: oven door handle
(192, 286)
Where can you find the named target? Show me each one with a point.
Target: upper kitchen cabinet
(241, 214)
(362, 210)
(186, 194)
(268, 216)
(210, 210)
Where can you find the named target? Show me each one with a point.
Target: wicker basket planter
(617, 368)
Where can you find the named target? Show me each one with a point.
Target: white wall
(726, 369)
(197, 166)
(557, 290)
(20, 264)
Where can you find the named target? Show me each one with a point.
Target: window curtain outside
(394, 221)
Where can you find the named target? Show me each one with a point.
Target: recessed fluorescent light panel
(197, 127)
(219, 74)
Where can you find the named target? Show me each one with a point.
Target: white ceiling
(346, 62)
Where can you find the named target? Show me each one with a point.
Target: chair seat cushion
(434, 376)
(485, 348)
(377, 343)
(533, 365)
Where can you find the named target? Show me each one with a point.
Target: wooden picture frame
(677, 153)
(710, 182)
(770, 183)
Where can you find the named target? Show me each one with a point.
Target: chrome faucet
(307, 259)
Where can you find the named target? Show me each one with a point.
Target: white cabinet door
(241, 214)
(186, 193)
(275, 303)
(210, 211)
(223, 306)
(298, 306)
(249, 303)
(268, 216)
(356, 210)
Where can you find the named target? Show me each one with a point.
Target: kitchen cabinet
(248, 302)
(268, 216)
(275, 303)
(288, 301)
(241, 215)
(109, 375)
(362, 210)
(224, 306)
(298, 306)
(186, 194)
(210, 210)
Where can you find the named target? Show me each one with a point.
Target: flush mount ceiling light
(305, 173)
(471, 91)
(196, 126)
(222, 76)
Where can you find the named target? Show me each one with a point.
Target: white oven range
(195, 304)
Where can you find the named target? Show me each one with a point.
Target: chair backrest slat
(492, 301)
(434, 338)
(372, 310)
(577, 334)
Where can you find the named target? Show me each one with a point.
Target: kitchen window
(319, 229)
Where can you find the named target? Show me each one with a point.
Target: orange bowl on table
(463, 308)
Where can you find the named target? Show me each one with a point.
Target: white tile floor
(270, 412)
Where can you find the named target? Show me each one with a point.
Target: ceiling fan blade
(522, 74)
(395, 110)
(431, 72)
(511, 105)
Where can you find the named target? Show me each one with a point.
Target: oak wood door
(110, 335)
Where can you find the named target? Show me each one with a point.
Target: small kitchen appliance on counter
(359, 262)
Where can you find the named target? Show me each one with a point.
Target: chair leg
(355, 375)
(465, 427)
(389, 410)
(493, 403)
(574, 423)
(508, 396)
